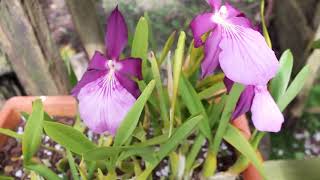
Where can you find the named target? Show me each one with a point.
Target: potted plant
(139, 123)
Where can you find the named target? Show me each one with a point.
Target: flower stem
(264, 26)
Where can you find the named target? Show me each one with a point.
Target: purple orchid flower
(241, 51)
(266, 115)
(106, 91)
(244, 57)
(245, 100)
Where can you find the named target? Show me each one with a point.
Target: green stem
(264, 26)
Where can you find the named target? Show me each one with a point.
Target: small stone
(316, 136)
(57, 147)
(280, 152)
(20, 130)
(19, 173)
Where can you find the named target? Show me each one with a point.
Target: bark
(87, 25)
(25, 38)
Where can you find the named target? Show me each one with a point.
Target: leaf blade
(234, 137)
(68, 137)
(33, 131)
(280, 82)
(294, 88)
(129, 123)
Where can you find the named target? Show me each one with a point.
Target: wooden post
(26, 39)
(87, 24)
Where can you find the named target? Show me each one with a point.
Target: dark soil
(49, 154)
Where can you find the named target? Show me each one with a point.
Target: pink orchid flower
(106, 92)
(243, 56)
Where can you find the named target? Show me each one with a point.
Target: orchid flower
(244, 57)
(106, 92)
(266, 115)
(241, 51)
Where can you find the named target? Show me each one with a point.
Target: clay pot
(66, 106)
(251, 173)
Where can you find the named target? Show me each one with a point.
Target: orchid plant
(151, 109)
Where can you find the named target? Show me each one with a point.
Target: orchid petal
(98, 62)
(215, 4)
(88, 76)
(212, 51)
(245, 100)
(116, 35)
(104, 103)
(130, 68)
(232, 12)
(199, 26)
(266, 115)
(241, 21)
(245, 57)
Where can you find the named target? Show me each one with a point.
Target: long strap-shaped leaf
(33, 131)
(68, 137)
(43, 171)
(234, 137)
(178, 136)
(132, 118)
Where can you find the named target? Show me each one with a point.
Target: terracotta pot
(251, 173)
(66, 106)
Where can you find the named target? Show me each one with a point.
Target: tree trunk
(26, 39)
(87, 24)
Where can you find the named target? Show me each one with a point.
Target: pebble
(19, 173)
(57, 147)
(316, 136)
(20, 130)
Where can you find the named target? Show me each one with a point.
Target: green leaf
(153, 141)
(10, 133)
(316, 44)
(132, 118)
(167, 47)
(178, 136)
(102, 153)
(294, 88)
(194, 105)
(231, 102)
(152, 39)
(6, 178)
(140, 44)
(196, 146)
(146, 153)
(234, 137)
(209, 92)
(68, 137)
(72, 165)
(66, 53)
(177, 66)
(280, 83)
(33, 131)
(162, 98)
(293, 169)
(43, 171)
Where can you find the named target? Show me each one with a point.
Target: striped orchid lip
(106, 91)
(244, 56)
